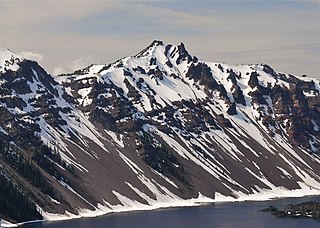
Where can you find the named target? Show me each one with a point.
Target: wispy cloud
(59, 70)
(109, 30)
(81, 62)
(313, 2)
(31, 55)
(73, 65)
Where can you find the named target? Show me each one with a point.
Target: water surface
(239, 214)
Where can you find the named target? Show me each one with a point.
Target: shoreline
(200, 201)
(303, 210)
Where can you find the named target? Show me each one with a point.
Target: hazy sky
(68, 35)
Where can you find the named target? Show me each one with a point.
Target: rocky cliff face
(157, 127)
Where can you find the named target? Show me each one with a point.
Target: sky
(67, 35)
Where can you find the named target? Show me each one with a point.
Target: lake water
(239, 214)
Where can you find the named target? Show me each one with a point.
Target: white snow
(53, 200)
(131, 164)
(131, 205)
(4, 223)
(165, 178)
(84, 100)
(8, 60)
(284, 172)
(174, 86)
(116, 138)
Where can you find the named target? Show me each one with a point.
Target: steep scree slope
(155, 128)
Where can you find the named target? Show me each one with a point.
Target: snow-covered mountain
(157, 129)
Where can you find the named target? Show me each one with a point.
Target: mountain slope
(159, 128)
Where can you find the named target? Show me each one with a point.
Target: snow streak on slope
(162, 78)
(162, 127)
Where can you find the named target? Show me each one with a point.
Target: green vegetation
(15, 204)
(46, 159)
(309, 209)
(161, 158)
(25, 168)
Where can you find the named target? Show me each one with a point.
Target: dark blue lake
(239, 214)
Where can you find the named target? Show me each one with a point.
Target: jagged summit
(9, 60)
(163, 74)
(159, 127)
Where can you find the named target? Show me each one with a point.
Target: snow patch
(116, 138)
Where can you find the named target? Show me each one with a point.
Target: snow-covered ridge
(8, 60)
(163, 69)
(157, 128)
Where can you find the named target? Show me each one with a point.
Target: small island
(309, 209)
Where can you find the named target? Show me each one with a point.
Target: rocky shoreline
(310, 209)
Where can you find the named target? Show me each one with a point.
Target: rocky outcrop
(158, 126)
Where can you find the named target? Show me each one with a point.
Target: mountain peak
(153, 129)
(156, 43)
(145, 51)
(8, 60)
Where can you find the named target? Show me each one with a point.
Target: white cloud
(58, 70)
(73, 65)
(109, 30)
(80, 63)
(31, 55)
(174, 18)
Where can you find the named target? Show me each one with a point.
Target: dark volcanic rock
(253, 81)
(202, 73)
(269, 70)
(232, 110)
(161, 125)
(233, 77)
(183, 54)
(238, 95)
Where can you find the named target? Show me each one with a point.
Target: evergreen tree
(16, 206)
